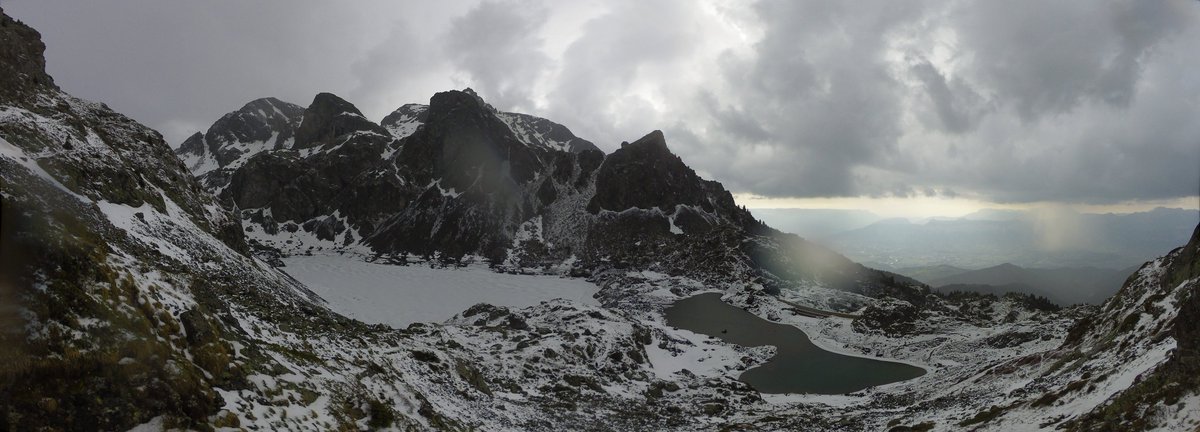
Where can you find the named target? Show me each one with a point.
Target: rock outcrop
(23, 72)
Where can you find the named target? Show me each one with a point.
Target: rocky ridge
(459, 178)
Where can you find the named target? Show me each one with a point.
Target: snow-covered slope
(404, 120)
(542, 133)
(1130, 366)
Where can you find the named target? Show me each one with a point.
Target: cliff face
(23, 72)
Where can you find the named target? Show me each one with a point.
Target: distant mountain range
(1064, 286)
(1031, 239)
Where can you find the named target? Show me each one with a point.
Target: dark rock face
(645, 174)
(465, 144)
(298, 186)
(473, 175)
(194, 144)
(459, 182)
(293, 191)
(23, 71)
(330, 117)
(197, 328)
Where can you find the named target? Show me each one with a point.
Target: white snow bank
(402, 295)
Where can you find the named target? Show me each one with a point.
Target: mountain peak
(449, 100)
(256, 120)
(24, 68)
(462, 138)
(259, 125)
(329, 102)
(328, 117)
(269, 103)
(645, 174)
(653, 141)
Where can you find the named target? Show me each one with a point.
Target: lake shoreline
(799, 365)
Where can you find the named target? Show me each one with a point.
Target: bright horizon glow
(926, 207)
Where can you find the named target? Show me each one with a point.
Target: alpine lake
(798, 366)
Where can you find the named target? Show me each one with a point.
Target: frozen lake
(402, 295)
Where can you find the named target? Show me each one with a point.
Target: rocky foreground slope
(131, 294)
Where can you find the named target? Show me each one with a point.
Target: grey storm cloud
(1025, 100)
(819, 85)
(1051, 57)
(499, 45)
(617, 58)
(957, 105)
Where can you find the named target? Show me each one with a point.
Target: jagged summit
(23, 71)
(645, 174)
(470, 92)
(464, 143)
(536, 132)
(259, 125)
(443, 102)
(654, 142)
(330, 117)
(269, 122)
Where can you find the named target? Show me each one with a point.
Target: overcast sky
(1018, 101)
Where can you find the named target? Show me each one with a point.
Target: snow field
(401, 295)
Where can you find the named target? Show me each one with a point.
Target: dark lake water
(798, 365)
